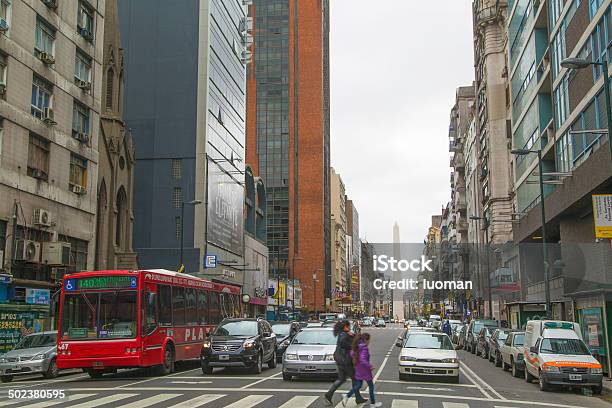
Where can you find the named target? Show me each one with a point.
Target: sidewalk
(607, 386)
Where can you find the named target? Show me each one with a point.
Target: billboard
(225, 220)
(602, 211)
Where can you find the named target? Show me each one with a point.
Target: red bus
(127, 319)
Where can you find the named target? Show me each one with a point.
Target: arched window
(122, 216)
(102, 227)
(110, 75)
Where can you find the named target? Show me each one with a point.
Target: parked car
(285, 332)
(512, 354)
(428, 354)
(473, 330)
(497, 339)
(456, 333)
(239, 343)
(311, 354)
(381, 323)
(555, 354)
(435, 321)
(35, 353)
(482, 342)
(366, 322)
(462, 341)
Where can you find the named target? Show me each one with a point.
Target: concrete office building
(185, 102)
(354, 253)
(288, 136)
(50, 96)
(338, 240)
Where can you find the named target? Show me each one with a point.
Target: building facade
(288, 136)
(354, 254)
(338, 240)
(185, 103)
(50, 104)
(114, 223)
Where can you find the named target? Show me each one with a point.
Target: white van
(556, 355)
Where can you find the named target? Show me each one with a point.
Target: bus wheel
(167, 367)
(95, 373)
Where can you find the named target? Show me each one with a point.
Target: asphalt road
(481, 385)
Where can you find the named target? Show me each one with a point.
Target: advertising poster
(602, 211)
(13, 326)
(225, 210)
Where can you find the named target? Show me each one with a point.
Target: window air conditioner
(47, 58)
(52, 4)
(84, 85)
(56, 253)
(42, 217)
(28, 251)
(48, 116)
(80, 190)
(81, 137)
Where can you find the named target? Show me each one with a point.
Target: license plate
(224, 357)
(428, 371)
(575, 377)
(310, 368)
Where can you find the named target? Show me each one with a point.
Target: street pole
(314, 288)
(543, 214)
(182, 223)
(488, 247)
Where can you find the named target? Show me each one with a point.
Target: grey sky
(395, 66)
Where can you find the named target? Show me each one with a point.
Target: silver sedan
(311, 354)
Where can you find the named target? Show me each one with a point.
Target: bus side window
(213, 310)
(165, 305)
(203, 307)
(150, 301)
(178, 305)
(191, 310)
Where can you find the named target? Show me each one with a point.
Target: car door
(268, 339)
(506, 348)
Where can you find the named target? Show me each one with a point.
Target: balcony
(491, 14)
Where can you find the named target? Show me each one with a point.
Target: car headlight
(597, 370)
(39, 357)
(248, 344)
(329, 357)
(450, 360)
(408, 358)
(3, 360)
(550, 368)
(291, 357)
(284, 344)
(206, 344)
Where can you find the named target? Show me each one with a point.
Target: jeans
(343, 375)
(357, 385)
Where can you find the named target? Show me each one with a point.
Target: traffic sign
(210, 261)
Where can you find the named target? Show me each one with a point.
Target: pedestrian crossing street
(176, 400)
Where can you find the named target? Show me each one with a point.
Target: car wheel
(544, 386)
(6, 378)
(597, 389)
(95, 373)
(258, 367)
(272, 362)
(528, 377)
(497, 360)
(473, 348)
(167, 366)
(515, 371)
(505, 366)
(490, 356)
(52, 371)
(287, 377)
(206, 368)
(484, 353)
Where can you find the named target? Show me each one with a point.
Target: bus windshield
(99, 315)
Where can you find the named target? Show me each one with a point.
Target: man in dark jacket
(343, 359)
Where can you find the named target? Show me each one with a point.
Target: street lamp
(524, 152)
(193, 202)
(579, 63)
(314, 289)
(486, 230)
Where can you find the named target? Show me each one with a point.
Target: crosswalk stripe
(47, 403)
(301, 401)
(104, 400)
(150, 401)
(248, 402)
(447, 404)
(198, 401)
(405, 404)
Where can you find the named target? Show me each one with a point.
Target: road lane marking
(320, 391)
(428, 383)
(404, 404)
(105, 400)
(482, 391)
(261, 380)
(447, 404)
(249, 401)
(428, 388)
(483, 382)
(143, 403)
(300, 401)
(33, 384)
(191, 382)
(382, 366)
(198, 401)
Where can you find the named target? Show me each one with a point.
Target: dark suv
(239, 343)
(473, 330)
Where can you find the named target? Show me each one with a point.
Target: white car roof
(560, 334)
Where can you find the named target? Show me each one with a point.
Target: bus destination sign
(100, 282)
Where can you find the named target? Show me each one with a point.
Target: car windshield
(320, 337)
(281, 329)
(428, 341)
(37, 340)
(237, 328)
(564, 346)
(502, 336)
(518, 339)
(99, 315)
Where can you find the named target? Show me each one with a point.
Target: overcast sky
(395, 66)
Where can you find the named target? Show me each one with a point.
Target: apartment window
(80, 119)
(593, 7)
(177, 197)
(177, 227)
(86, 21)
(564, 153)
(558, 52)
(45, 37)
(3, 68)
(41, 96)
(82, 67)
(561, 100)
(556, 6)
(38, 157)
(110, 77)
(5, 7)
(177, 169)
(78, 171)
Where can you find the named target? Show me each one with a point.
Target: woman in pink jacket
(363, 368)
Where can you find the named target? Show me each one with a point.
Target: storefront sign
(225, 221)
(13, 326)
(5, 278)
(602, 211)
(37, 296)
